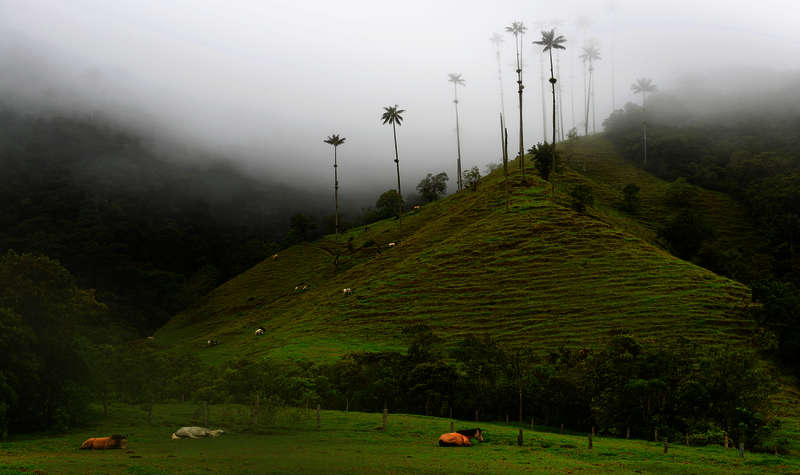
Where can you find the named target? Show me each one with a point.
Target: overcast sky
(268, 80)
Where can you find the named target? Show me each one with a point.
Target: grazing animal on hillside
(347, 291)
(195, 433)
(102, 443)
(260, 331)
(274, 257)
(301, 287)
(392, 244)
(460, 438)
(151, 338)
(212, 342)
(416, 206)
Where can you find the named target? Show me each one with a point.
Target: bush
(389, 204)
(630, 198)
(471, 178)
(432, 186)
(543, 159)
(685, 234)
(582, 197)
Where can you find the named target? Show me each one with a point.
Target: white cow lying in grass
(195, 433)
(392, 244)
(347, 291)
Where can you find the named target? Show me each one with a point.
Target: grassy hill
(538, 275)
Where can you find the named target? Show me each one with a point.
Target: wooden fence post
(666, 445)
(590, 441)
(628, 433)
(385, 412)
(519, 438)
(319, 419)
(594, 434)
(562, 428)
(741, 449)
(726, 441)
(205, 413)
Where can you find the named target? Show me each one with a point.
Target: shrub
(582, 197)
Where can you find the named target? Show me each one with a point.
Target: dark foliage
(433, 186)
(686, 233)
(543, 159)
(630, 195)
(581, 197)
(151, 231)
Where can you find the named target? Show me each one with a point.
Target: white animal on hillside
(260, 331)
(392, 244)
(274, 257)
(416, 206)
(195, 433)
(347, 291)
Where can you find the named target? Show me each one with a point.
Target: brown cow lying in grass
(102, 443)
(195, 433)
(460, 438)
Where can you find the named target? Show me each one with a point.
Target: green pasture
(353, 443)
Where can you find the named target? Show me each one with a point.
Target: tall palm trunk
(504, 139)
(396, 160)
(644, 127)
(588, 99)
(594, 105)
(458, 136)
(500, 80)
(585, 101)
(336, 187)
(553, 86)
(560, 99)
(544, 103)
(521, 143)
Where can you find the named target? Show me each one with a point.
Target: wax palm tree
(590, 54)
(643, 86)
(393, 115)
(497, 39)
(335, 140)
(550, 42)
(518, 29)
(457, 81)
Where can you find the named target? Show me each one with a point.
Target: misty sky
(268, 80)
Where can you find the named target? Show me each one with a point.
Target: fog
(264, 82)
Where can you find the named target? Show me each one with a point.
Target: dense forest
(151, 228)
(751, 152)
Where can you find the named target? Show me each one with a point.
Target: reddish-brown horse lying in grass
(102, 443)
(460, 438)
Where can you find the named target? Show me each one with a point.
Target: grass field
(538, 275)
(351, 443)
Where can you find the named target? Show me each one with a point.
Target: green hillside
(539, 275)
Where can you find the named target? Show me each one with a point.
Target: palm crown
(335, 140)
(392, 115)
(590, 53)
(550, 41)
(496, 38)
(517, 28)
(643, 85)
(456, 79)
